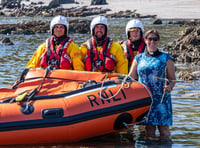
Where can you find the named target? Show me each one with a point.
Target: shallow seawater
(186, 100)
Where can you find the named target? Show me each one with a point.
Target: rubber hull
(67, 108)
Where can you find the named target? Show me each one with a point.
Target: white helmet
(98, 20)
(134, 23)
(59, 20)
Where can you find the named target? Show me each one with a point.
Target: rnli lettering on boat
(96, 100)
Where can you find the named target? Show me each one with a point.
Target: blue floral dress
(147, 68)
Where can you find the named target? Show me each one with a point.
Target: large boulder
(66, 1)
(54, 3)
(98, 2)
(5, 41)
(186, 75)
(186, 49)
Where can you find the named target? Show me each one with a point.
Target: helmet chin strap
(57, 40)
(101, 40)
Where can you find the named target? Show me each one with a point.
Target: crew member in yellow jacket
(134, 44)
(100, 53)
(59, 50)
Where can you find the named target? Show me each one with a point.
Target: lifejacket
(128, 51)
(101, 60)
(57, 58)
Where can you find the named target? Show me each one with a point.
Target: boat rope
(122, 85)
(146, 118)
(124, 80)
(21, 79)
(45, 75)
(36, 90)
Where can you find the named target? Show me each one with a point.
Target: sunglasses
(153, 39)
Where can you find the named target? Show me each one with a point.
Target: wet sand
(164, 9)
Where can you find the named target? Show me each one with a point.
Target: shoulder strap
(48, 42)
(61, 50)
(127, 49)
(107, 48)
(128, 53)
(141, 46)
(91, 50)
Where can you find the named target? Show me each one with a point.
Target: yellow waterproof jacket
(72, 50)
(115, 50)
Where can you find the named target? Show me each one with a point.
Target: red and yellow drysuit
(106, 58)
(64, 56)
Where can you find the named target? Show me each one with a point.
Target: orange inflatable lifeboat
(48, 106)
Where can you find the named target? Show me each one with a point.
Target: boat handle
(52, 113)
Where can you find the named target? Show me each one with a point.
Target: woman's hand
(170, 76)
(167, 88)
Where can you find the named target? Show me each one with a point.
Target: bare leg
(150, 133)
(164, 132)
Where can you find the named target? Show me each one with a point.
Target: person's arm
(170, 70)
(133, 70)
(34, 62)
(121, 61)
(75, 54)
(84, 50)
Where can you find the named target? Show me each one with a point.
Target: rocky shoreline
(40, 26)
(83, 11)
(186, 49)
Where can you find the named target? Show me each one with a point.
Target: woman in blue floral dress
(148, 67)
